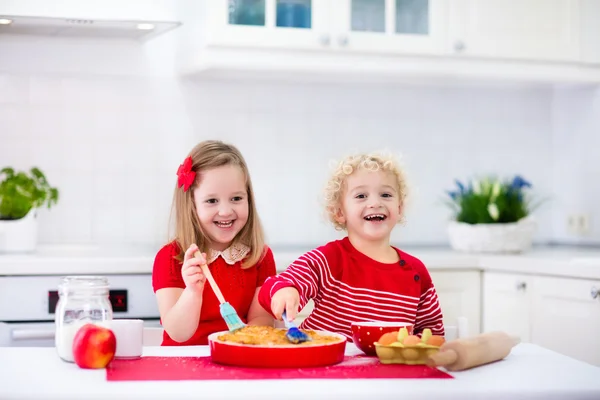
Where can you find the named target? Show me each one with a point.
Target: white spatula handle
(211, 280)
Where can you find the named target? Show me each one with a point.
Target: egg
(436, 340)
(411, 340)
(388, 338)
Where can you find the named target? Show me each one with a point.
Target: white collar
(234, 253)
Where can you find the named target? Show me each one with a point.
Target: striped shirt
(347, 286)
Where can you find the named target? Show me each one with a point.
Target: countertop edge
(563, 263)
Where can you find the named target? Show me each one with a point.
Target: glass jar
(82, 300)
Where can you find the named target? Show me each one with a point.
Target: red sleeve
(167, 270)
(304, 274)
(429, 314)
(266, 267)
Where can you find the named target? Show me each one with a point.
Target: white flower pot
(513, 237)
(19, 235)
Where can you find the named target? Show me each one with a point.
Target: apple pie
(269, 336)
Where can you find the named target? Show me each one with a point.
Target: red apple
(94, 346)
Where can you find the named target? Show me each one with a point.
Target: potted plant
(491, 216)
(21, 194)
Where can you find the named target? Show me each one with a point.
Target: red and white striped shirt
(347, 286)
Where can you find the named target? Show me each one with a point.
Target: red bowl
(290, 356)
(365, 333)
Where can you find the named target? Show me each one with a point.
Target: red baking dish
(289, 356)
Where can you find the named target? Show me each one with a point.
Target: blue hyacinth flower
(518, 183)
(453, 195)
(460, 186)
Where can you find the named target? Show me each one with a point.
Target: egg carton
(397, 353)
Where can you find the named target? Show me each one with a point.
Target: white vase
(515, 237)
(19, 235)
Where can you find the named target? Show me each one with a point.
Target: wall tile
(128, 135)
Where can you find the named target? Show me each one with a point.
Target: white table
(529, 372)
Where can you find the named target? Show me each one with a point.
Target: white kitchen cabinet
(539, 30)
(566, 317)
(507, 303)
(390, 26)
(284, 24)
(374, 26)
(546, 311)
(590, 31)
(545, 41)
(459, 293)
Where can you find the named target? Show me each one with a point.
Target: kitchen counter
(73, 260)
(568, 261)
(564, 261)
(529, 372)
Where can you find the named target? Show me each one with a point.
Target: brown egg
(411, 340)
(388, 338)
(436, 340)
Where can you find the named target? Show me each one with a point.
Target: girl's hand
(191, 272)
(286, 299)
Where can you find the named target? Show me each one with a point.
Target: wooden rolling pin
(461, 354)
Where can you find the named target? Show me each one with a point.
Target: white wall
(576, 162)
(112, 142)
(290, 132)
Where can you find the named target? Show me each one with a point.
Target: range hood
(87, 28)
(111, 19)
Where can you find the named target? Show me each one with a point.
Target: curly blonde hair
(377, 161)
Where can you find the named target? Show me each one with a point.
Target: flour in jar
(66, 333)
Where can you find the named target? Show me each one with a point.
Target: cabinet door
(518, 29)
(590, 31)
(285, 24)
(391, 26)
(507, 304)
(459, 293)
(566, 317)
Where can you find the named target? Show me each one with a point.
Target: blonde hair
(205, 156)
(372, 162)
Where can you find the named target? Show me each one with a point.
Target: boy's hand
(286, 299)
(191, 272)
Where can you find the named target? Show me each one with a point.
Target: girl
(215, 213)
(361, 277)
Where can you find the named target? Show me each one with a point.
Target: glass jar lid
(83, 284)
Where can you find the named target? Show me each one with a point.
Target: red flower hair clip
(185, 175)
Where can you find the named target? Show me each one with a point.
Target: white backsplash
(112, 144)
(576, 164)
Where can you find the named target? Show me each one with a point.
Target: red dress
(237, 285)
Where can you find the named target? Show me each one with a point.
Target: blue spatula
(232, 319)
(293, 334)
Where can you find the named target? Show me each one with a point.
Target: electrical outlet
(578, 224)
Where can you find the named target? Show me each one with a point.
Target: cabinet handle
(521, 285)
(595, 293)
(343, 41)
(325, 40)
(459, 46)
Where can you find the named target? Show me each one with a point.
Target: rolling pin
(461, 354)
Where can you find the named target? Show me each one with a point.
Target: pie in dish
(272, 337)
